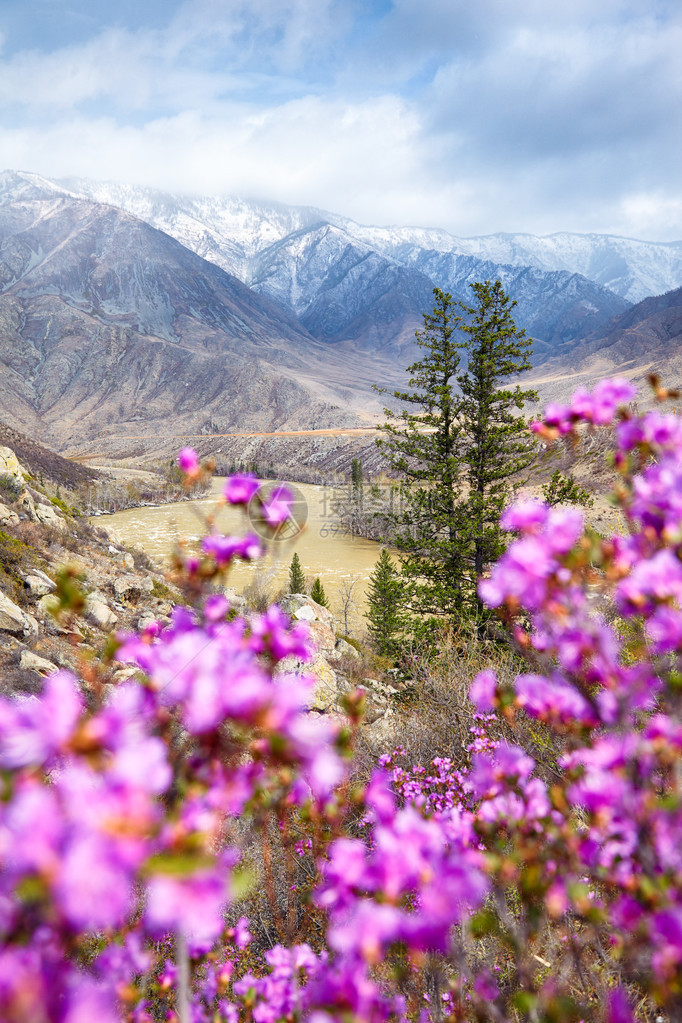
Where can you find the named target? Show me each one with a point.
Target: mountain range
(128, 314)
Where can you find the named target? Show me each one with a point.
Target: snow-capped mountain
(231, 232)
(124, 310)
(111, 329)
(363, 286)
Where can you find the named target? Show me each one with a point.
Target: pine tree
(356, 479)
(564, 490)
(317, 593)
(423, 448)
(385, 614)
(457, 452)
(496, 441)
(296, 576)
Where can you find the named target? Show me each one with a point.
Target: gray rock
(99, 613)
(30, 661)
(38, 583)
(305, 614)
(301, 607)
(237, 601)
(46, 606)
(343, 649)
(48, 515)
(10, 465)
(131, 585)
(7, 516)
(145, 620)
(14, 620)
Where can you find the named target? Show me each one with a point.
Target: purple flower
(619, 1008)
(483, 690)
(33, 730)
(193, 905)
(216, 607)
(188, 461)
(225, 548)
(525, 516)
(241, 488)
(276, 506)
(553, 700)
(93, 889)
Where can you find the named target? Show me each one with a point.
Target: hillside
(109, 328)
(366, 287)
(646, 339)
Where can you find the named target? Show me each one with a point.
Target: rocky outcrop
(31, 661)
(14, 620)
(98, 612)
(331, 685)
(38, 583)
(7, 516)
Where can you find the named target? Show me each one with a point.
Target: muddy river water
(323, 547)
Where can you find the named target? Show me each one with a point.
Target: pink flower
(482, 691)
(277, 506)
(188, 461)
(241, 488)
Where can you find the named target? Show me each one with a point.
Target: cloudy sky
(473, 115)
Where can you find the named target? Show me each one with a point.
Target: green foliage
(457, 451)
(64, 507)
(563, 489)
(10, 488)
(15, 556)
(161, 591)
(317, 593)
(296, 576)
(356, 475)
(386, 616)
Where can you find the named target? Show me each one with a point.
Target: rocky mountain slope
(125, 326)
(364, 286)
(110, 327)
(230, 232)
(645, 339)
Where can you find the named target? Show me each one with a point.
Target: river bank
(325, 548)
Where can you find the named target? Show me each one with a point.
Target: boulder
(99, 613)
(14, 620)
(127, 586)
(343, 649)
(27, 506)
(237, 601)
(30, 661)
(7, 516)
(302, 608)
(329, 686)
(145, 621)
(10, 465)
(38, 583)
(126, 559)
(46, 606)
(48, 515)
(327, 690)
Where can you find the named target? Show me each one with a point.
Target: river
(324, 550)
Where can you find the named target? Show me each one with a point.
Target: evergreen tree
(496, 442)
(317, 593)
(457, 451)
(422, 446)
(564, 490)
(385, 614)
(296, 576)
(356, 479)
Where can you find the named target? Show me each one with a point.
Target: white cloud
(475, 117)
